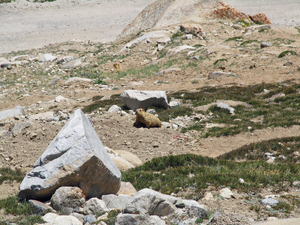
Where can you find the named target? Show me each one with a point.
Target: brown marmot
(146, 118)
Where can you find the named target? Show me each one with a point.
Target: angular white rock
(76, 157)
(143, 99)
(174, 51)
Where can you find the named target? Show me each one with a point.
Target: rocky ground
(34, 80)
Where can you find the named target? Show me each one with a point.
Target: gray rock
(116, 201)
(133, 219)
(147, 201)
(144, 99)
(153, 34)
(60, 220)
(269, 201)
(152, 111)
(163, 40)
(114, 109)
(71, 64)
(18, 110)
(78, 79)
(76, 157)
(65, 59)
(169, 70)
(174, 51)
(18, 128)
(40, 208)
(196, 57)
(94, 206)
(226, 106)
(89, 219)
(217, 74)
(265, 44)
(66, 199)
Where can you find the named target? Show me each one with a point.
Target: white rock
(71, 64)
(144, 99)
(46, 58)
(226, 106)
(174, 51)
(76, 157)
(165, 124)
(47, 116)
(174, 103)
(114, 109)
(226, 193)
(60, 98)
(54, 219)
(116, 201)
(94, 206)
(78, 79)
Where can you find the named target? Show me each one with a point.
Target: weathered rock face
(150, 202)
(260, 18)
(144, 99)
(225, 11)
(76, 157)
(67, 197)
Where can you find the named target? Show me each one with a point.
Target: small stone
(265, 44)
(269, 201)
(226, 193)
(114, 109)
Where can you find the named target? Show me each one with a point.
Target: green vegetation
(10, 175)
(284, 53)
(21, 209)
(248, 42)
(112, 217)
(277, 112)
(287, 147)
(234, 38)
(5, 1)
(172, 174)
(114, 100)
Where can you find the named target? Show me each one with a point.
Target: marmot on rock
(146, 118)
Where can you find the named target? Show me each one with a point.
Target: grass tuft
(284, 53)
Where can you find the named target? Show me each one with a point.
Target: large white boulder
(76, 157)
(143, 99)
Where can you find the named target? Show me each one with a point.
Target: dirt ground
(116, 131)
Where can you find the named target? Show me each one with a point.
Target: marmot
(146, 118)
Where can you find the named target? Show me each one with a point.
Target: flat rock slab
(143, 99)
(76, 157)
(18, 110)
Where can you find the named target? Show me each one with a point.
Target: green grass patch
(280, 112)
(283, 149)
(234, 38)
(284, 53)
(166, 114)
(112, 217)
(10, 175)
(219, 62)
(114, 100)
(171, 174)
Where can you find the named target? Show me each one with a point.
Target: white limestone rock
(144, 99)
(76, 157)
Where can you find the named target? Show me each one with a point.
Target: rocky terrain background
(41, 81)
